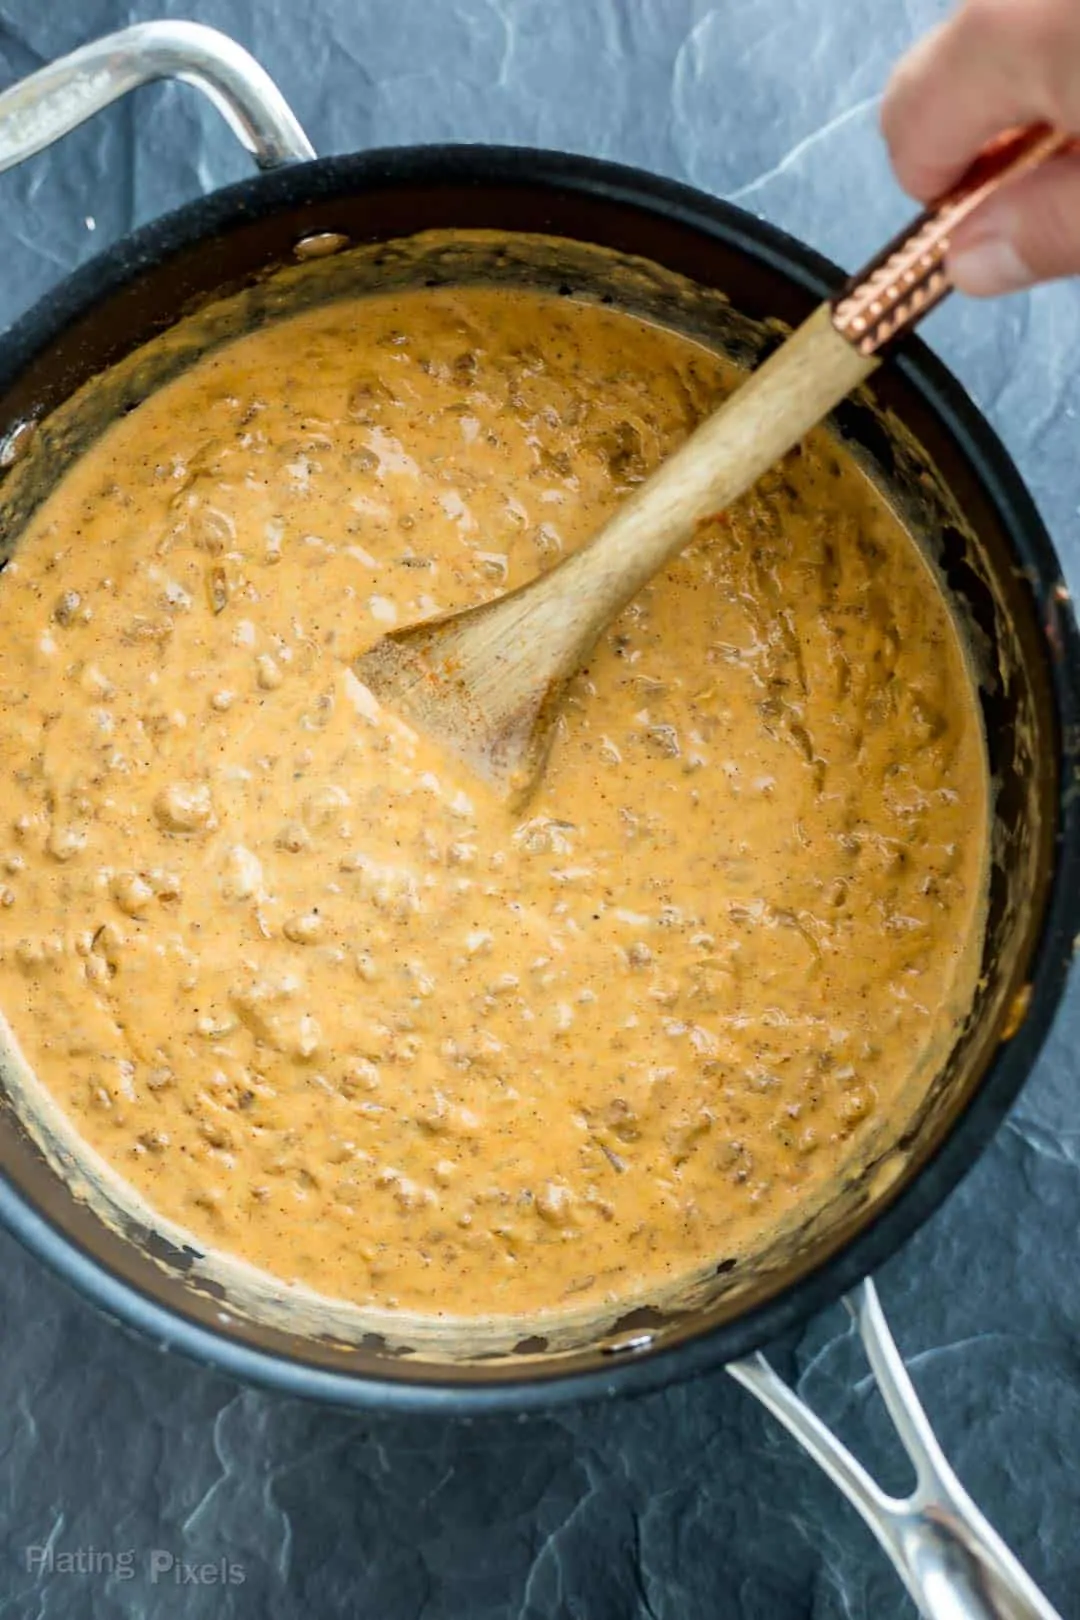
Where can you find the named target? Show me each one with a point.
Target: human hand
(994, 64)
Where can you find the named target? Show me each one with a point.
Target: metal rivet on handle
(16, 443)
(321, 245)
(631, 1342)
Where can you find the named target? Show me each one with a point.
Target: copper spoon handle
(908, 277)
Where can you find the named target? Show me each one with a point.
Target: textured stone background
(687, 1504)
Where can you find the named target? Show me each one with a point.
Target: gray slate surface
(690, 1503)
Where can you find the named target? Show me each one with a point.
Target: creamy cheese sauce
(328, 1004)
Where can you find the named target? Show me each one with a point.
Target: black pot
(920, 433)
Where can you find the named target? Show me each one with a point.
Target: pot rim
(490, 1389)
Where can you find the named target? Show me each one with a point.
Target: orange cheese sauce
(328, 1004)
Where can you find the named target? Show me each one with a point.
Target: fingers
(1028, 232)
(994, 64)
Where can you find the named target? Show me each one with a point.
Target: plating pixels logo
(161, 1565)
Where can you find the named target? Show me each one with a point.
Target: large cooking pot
(313, 229)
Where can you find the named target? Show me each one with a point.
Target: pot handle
(954, 1565)
(53, 101)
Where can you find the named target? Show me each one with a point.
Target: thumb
(1029, 232)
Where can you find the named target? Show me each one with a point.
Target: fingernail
(990, 265)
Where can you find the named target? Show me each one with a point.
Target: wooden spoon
(487, 683)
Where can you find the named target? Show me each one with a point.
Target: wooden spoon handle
(827, 357)
(771, 411)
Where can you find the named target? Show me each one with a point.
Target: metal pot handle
(53, 101)
(954, 1565)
